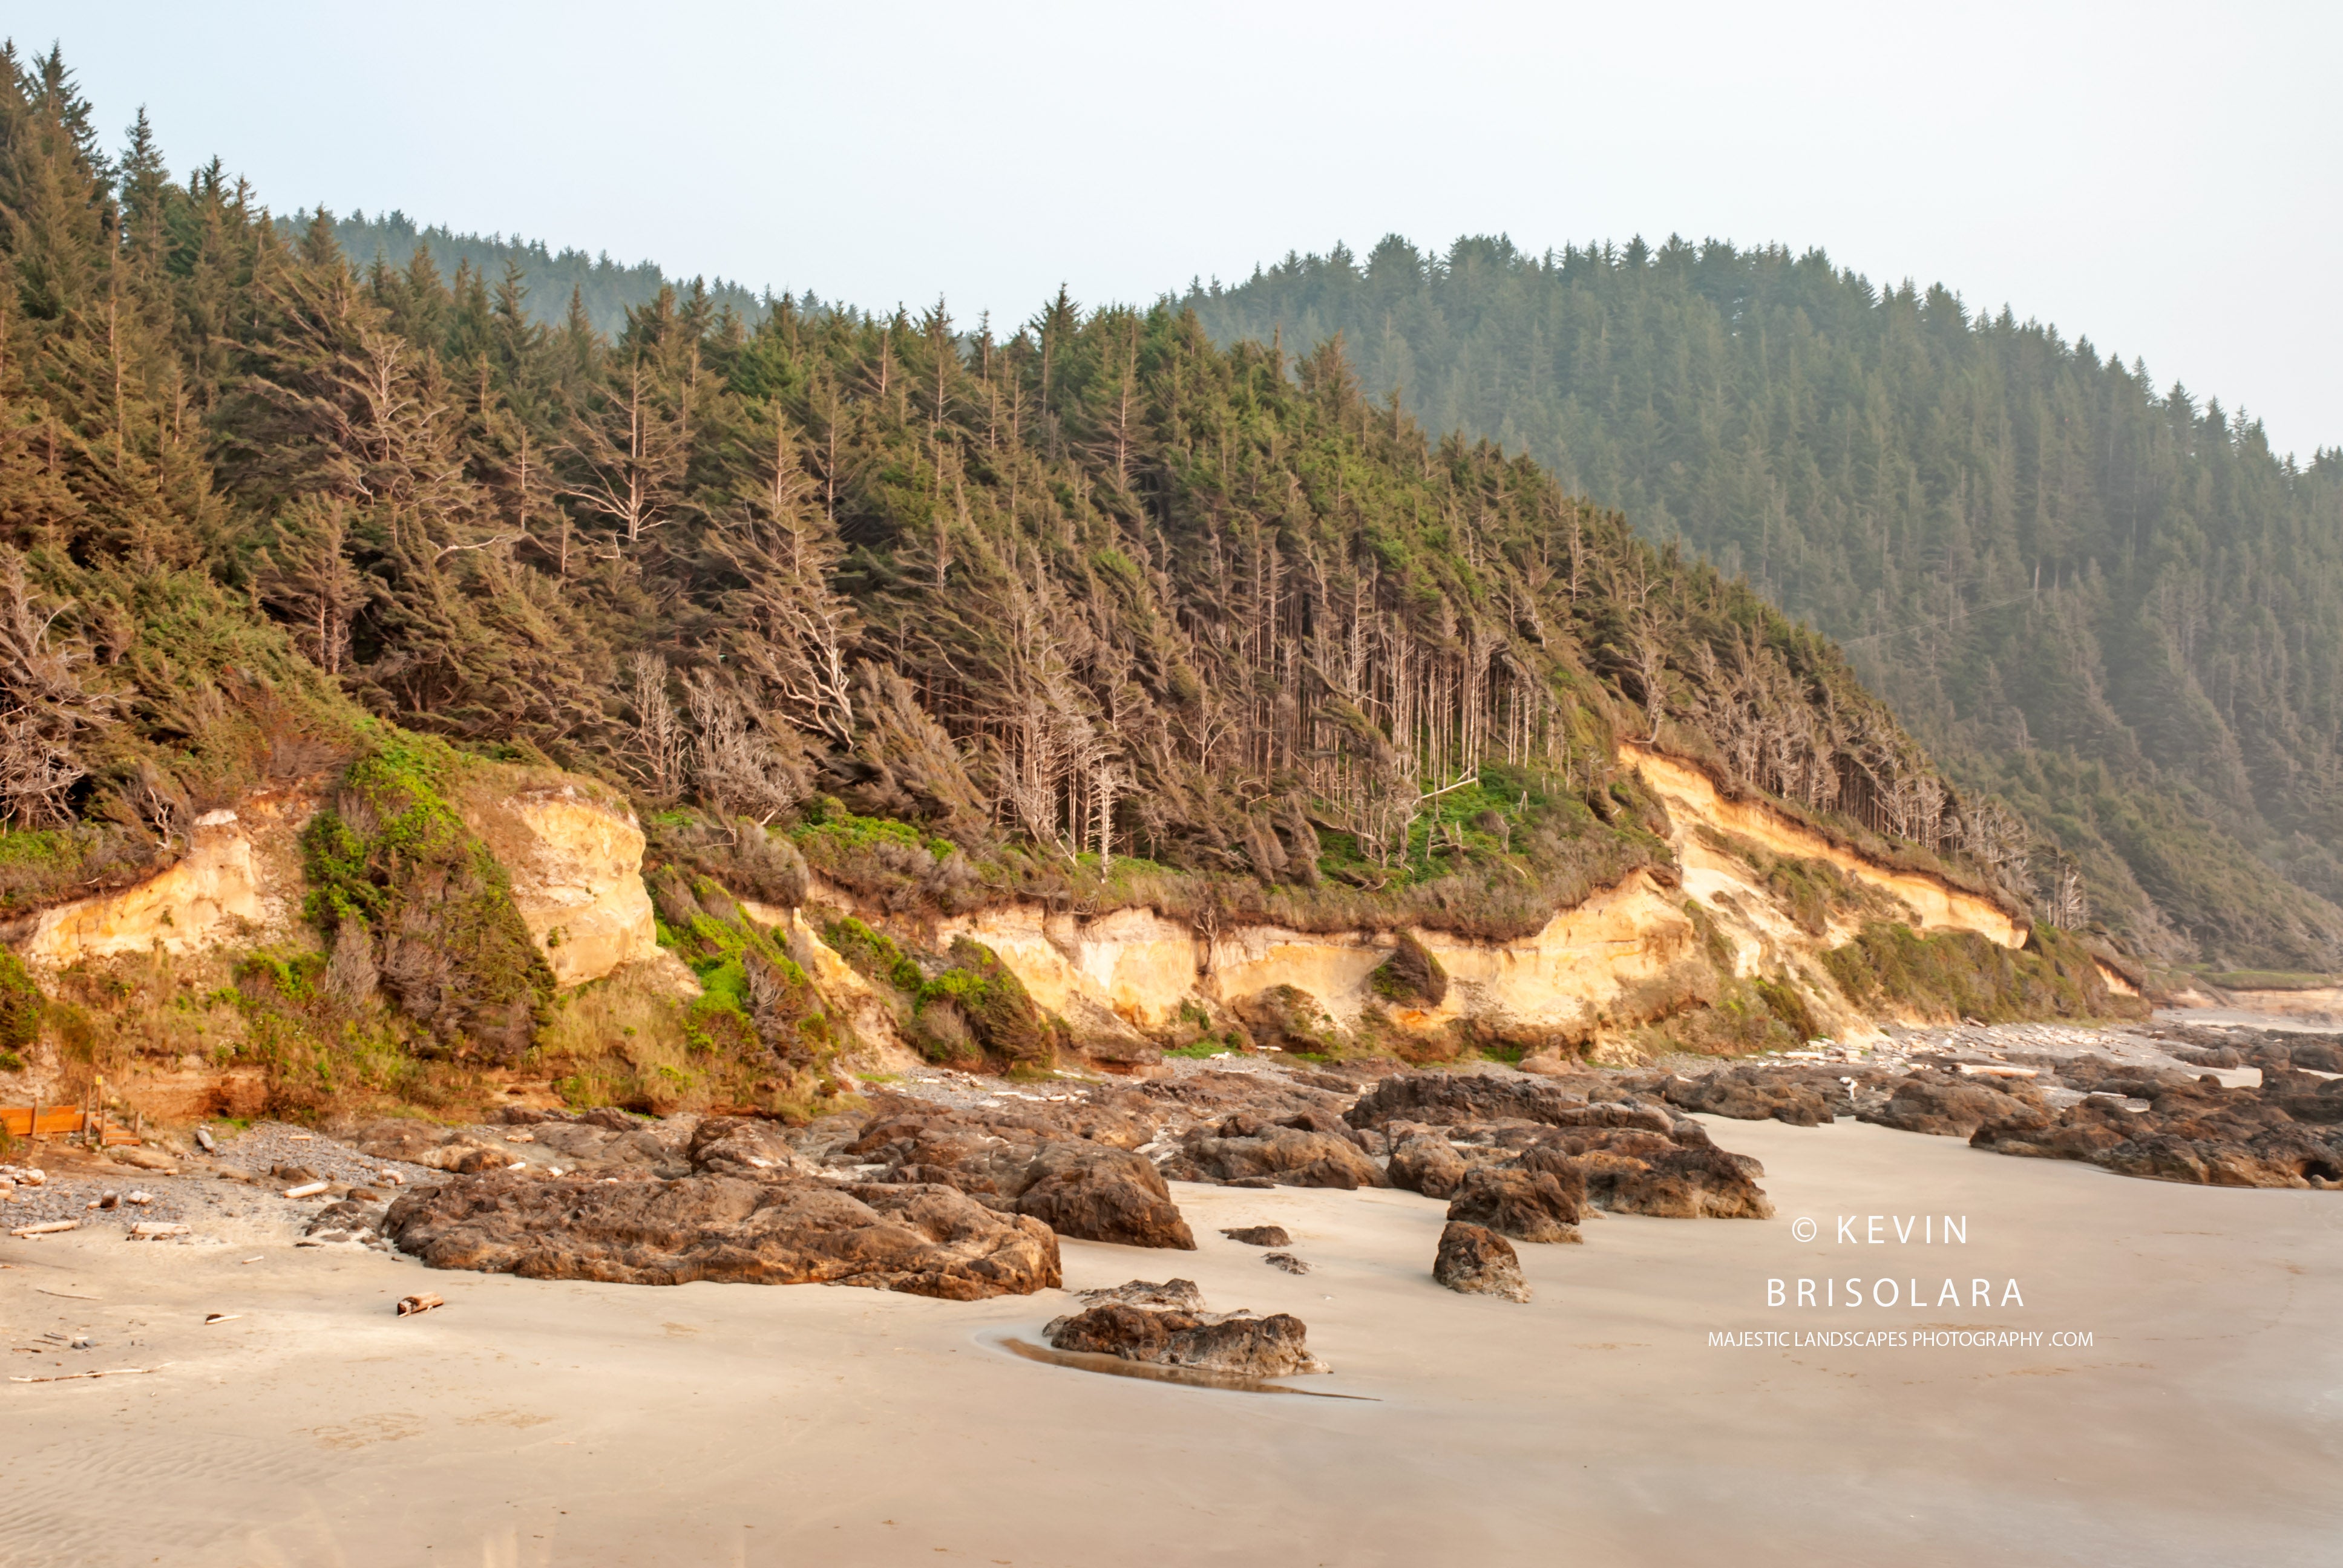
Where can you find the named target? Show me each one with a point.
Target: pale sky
(2165, 179)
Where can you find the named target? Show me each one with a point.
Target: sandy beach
(541, 1423)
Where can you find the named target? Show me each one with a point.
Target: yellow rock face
(1133, 963)
(1612, 956)
(1691, 797)
(210, 896)
(1142, 966)
(577, 866)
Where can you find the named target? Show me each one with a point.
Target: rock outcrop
(1758, 1094)
(925, 1239)
(2286, 1132)
(1423, 1161)
(1476, 1260)
(1243, 1151)
(1100, 1195)
(1953, 1107)
(1181, 1333)
(1528, 1205)
(1478, 1139)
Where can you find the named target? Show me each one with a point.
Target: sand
(540, 1424)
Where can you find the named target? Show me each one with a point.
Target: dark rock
(929, 1240)
(1956, 1107)
(1465, 1099)
(1476, 1260)
(350, 1219)
(2284, 1133)
(1426, 1162)
(292, 1175)
(740, 1146)
(1757, 1094)
(1180, 1294)
(1282, 1156)
(1285, 1260)
(1316, 1120)
(1100, 1194)
(1674, 1183)
(1260, 1236)
(1238, 1345)
(1530, 1205)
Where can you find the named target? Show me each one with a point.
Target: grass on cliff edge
(1494, 860)
(1891, 970)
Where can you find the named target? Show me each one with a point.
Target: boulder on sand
(1260, 1236)
(1529, 1205)
(1242, 1150)
(1099, 1194)
(1423, 1161)
(1236, 1344)
(928, 1240)
(1476, 1260)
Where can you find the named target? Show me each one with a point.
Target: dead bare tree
(45, 706)
(631, 457)
(738, 766)
(661, 744)
(788, 626)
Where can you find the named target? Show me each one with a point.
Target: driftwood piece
(110, 1372)
(421, 1303)
(307, 1189)
(49, 1229)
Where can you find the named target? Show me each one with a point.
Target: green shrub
(990, 1001)
(1412, 976)
(443, 931)
(20, 1004)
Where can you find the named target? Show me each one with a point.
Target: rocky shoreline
(960, 1188)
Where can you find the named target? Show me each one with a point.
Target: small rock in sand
(1236, 1343)
(1476, 1260)
(1260, 1236)
(1287, 1261)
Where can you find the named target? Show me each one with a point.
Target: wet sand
(533, 1423)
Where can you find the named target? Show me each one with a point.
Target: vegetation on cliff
(1091, 612)
(2113, 606)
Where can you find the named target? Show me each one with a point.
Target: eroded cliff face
(1693, 801)
(1624, 956)
(1628, 954)
(576, 859)
(239, 884)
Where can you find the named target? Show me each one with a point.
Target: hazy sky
(2165, 179)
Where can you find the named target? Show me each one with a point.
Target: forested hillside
(604, 289)
(1098, 612)
(2112, 605)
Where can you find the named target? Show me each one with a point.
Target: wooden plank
(53, 1118)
